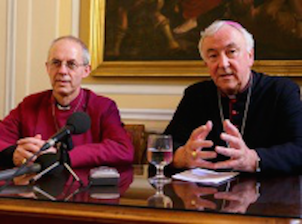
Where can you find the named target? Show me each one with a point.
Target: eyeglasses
(71, 65)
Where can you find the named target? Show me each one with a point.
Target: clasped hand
(27, 147)
(191, 154)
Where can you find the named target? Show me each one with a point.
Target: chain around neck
(247, 103)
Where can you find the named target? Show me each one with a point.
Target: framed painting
(158, 38)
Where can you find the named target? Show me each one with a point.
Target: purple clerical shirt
(105, 143)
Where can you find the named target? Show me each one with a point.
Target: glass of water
(160, 153)
(159, 199)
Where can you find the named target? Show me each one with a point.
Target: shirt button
(234, 112)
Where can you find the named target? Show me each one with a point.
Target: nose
(63, 68)
(223, 61)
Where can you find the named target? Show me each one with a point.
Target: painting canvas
(152, 36)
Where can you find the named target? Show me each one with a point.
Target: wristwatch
(258, 161)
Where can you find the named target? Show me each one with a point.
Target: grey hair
(86, 55)
(216, 25)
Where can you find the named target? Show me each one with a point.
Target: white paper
(204, 176)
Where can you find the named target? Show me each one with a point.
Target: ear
(46, 66)
(87, 71)
(205, 63)
(251, 58)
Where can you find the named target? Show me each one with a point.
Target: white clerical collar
(60, 107)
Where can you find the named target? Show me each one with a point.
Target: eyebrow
(56, 59)
(232, 45)
(228, 46)
(210, 50)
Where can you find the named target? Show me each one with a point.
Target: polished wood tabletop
(57, 197)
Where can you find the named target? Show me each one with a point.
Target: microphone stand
(63, 147)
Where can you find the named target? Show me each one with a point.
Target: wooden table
(132, 205)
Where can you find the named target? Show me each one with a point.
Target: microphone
(8, 174)
(77, 123)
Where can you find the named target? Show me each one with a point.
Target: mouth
(226, 75)
(62, 82)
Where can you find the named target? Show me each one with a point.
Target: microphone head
(78, 123)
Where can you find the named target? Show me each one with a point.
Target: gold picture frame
(92, 32)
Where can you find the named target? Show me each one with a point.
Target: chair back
(139, 141)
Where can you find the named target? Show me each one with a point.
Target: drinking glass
(159, 199)
(160, 153)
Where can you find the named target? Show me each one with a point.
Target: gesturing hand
(241, 157)
(191, 154)
(191, 195)
(241, 196)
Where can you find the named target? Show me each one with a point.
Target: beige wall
(3, 22)
(37, 24)
(28, 27)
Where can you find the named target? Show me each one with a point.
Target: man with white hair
(240, 120)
